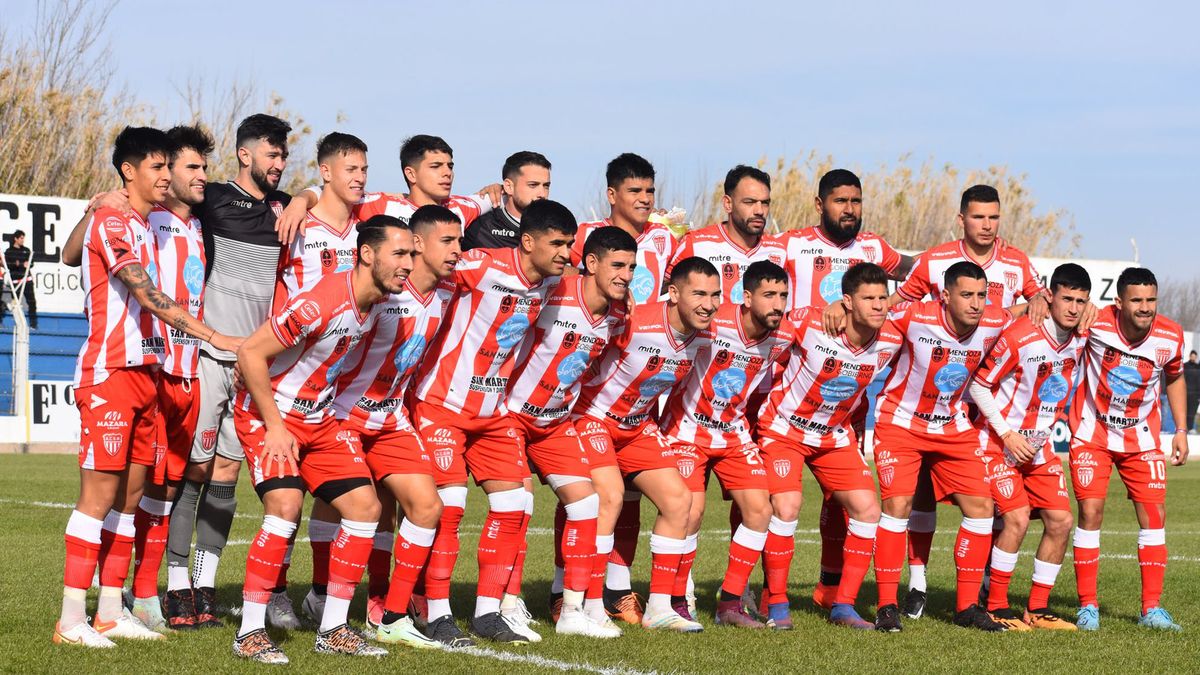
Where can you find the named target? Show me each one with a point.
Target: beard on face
(262, 180)
(838, 231)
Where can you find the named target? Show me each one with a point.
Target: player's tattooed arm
(1177, 398)
(72, 253)
(902, 270)
(279, 446)
(164, 308)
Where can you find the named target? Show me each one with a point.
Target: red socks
(151, 523)
(971, 549)
(857, 550)
(744, 551)
(412, 552)
(889, 556)
(777, 558)
(265, 558)
(1087, 565)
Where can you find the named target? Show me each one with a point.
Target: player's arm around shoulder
(279, 446)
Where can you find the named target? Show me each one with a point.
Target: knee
(611, 498)
(1017, 521)
(786, 509)
(287, 508)
(757, 514)
(866, 512)
(678, 505)
(1058, 524)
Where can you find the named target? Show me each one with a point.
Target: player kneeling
(285, 420)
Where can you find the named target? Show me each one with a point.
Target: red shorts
(630, 450)
(738, 468)
(490, 448)
(118, 420)
(1038, 486)
(836, 469)
(956, 464)
(1144, 473)
(399, 451)
(554, 450)
(178, 410)
(328, 452)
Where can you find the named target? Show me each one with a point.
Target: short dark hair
(134, 144)
(761, 271)
(627, 165)
(431, 214)
(545, 215)
(860, 275)
(737, 173)
(835, 179)
(263, 127)
(960, 270)
(337, 143)
(982, 194)
(373, 231)
(520, 160)
(1070, 276)
(414, 148)
(1135, 276)
(606, 239)
(184, 136)
(687, 266)
(18, 234)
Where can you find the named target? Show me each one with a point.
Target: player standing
(1021, 390)
(705, 417)
(285, 417)
(808, 420)
(923, 419)
(458, 407)
(1116, 419)
(526, 179)
(116, 380)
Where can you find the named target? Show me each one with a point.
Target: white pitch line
(552, 664)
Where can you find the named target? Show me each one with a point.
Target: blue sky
(1099, 103)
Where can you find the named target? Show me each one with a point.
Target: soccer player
(180, 274)
(816, 259)
(1116, 419)
(526, 179)
(458, 407)
(923, 419)
(1021, 390)
(369, 394)
(116, 380)
(630, 193)
(582, 316)
(285, 417)
(705, 418)
(808, 421)
(615, 421)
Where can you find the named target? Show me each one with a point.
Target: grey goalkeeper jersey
(243, 259)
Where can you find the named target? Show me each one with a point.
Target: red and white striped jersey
(1030, 375)
(1009, 273)
(180, 271)
(714, 245)
(815, 264)
(923, 393)
(565, 343)
(655, 248)
(318, 250)
(709, 408)
(371, 389)
(467, 208)
(472, 357)
(120, 333)
(320, 328)
(1117, 406)
(645, 361)
(823, 381)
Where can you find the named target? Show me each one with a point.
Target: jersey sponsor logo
(1054, 389)
(512, 330)
(1124, 380)
(208, 438)
(1085, 468)
(642, 285)
(112, 420)
(831, 286)
(193, 274)
(115, 227)
(571, 367)
(409, 353)
(950, 377)
(886, 465)
(308, 311)
(656, 385)
(729, 382)
(782, 467)
(736, 293)
(839, 389)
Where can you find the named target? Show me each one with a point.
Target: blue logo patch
(729, 382)
(736, 293)
(1054, 389)
(656, 385)
(951, 377)
(409, 353)
(642, 285)
(512, 330)
(152, 272)
(839, 389)
(193, 275)
(831, 286)
(344, 267)
(1124, 380)
(571, 367)
(336, 368)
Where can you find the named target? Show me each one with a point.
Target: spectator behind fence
(19, 258)
(1191, 375)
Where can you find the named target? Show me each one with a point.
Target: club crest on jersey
(112, 443)
(598, 443)
(443, 457)
(776, 350)
(783, 467)
(686, 466)
(208, 439)
(729, 271)
(886, 473)
(1084, 475)
(1010, 280)
(1005, 487)
(1162, 355)
(988, 343)
(820, 263)
(884, 357)
(775, 258)
(660, 243)
(869, 254)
